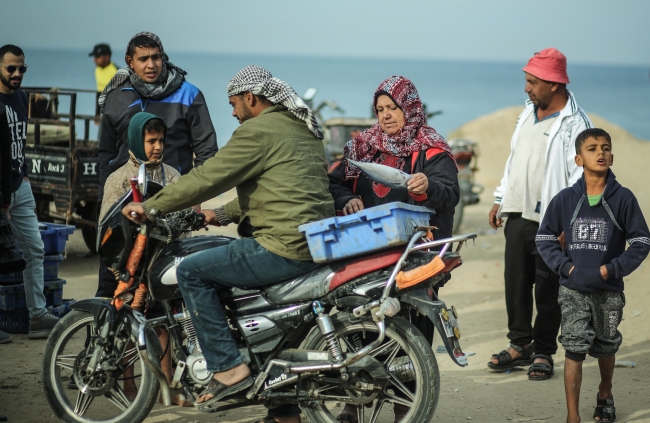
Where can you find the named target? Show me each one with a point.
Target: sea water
(461, 90)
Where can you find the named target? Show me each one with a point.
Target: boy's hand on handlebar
(134, 212)
(492, 217)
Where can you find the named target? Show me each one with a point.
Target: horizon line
(358, 57)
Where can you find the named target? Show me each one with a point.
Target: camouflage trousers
(590, 322)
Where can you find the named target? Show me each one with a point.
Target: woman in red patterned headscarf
(401, 139)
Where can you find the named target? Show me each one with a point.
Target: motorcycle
(367, 354)
(465, 153)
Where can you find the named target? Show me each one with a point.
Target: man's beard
(247, 114)
(6, 83)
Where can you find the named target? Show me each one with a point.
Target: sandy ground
(471, 393)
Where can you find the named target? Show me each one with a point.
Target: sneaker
(5, 337)
(41, 327)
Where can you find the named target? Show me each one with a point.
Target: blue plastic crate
(372, 229)
(55, 237)
(50, 271)
(17, 321)
(14, 321)
(63, 309)
(12, 297)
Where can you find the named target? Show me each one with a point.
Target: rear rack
(445, 242)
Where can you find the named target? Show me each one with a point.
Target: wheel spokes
(391, 357)
(377, 410)
(131, 356)
(398, 384)
(326, 387)
(66, 361)
(360, 413)
(351, 348)
(397, 400)
(82, 403)
(382, 348)
(117, 397)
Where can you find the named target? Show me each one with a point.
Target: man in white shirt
(541, 163)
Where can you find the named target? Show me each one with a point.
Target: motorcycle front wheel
(109, 396)
(414, 378)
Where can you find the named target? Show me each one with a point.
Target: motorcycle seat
(365, 264)
(321, 281)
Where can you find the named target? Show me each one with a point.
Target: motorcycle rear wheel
(62, 351)
(402, 339)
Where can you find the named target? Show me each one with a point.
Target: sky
(587, 31)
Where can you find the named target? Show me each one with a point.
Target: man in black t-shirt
(23, 220)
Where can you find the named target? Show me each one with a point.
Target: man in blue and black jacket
(153, 84)
(582, 238)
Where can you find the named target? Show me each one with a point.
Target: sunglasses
(12, 68)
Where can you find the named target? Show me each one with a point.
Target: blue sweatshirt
(595, 236)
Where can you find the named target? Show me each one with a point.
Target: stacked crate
(14, 317)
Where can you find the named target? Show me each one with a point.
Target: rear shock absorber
(327, 329)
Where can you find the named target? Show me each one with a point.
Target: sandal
(220, 391)
(506, 362)
(547, 369)
(605, 409)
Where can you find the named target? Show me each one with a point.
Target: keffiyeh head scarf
(415, 136)
(259, 81)
(171, 76)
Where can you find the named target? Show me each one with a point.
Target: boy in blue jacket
(582, 238)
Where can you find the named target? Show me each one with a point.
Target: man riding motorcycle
(276, 161)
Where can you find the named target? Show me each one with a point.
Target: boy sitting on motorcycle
(146, 138)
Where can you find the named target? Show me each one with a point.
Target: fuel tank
(163, 284)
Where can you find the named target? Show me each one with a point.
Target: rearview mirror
(310, 93)
(142, 180)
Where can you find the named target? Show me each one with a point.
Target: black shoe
(40, 328)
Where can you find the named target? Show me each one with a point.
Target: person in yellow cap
(105, 70)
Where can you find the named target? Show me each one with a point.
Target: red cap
(548, 65)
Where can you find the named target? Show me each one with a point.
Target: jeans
(242, 264)
(525, 271)
(24, 225)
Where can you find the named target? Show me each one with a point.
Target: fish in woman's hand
(385, 175)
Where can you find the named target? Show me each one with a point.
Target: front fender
(95, 306)
(100, 307)
(434, 311)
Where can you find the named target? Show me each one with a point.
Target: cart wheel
(42, 209)
(89, 212)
